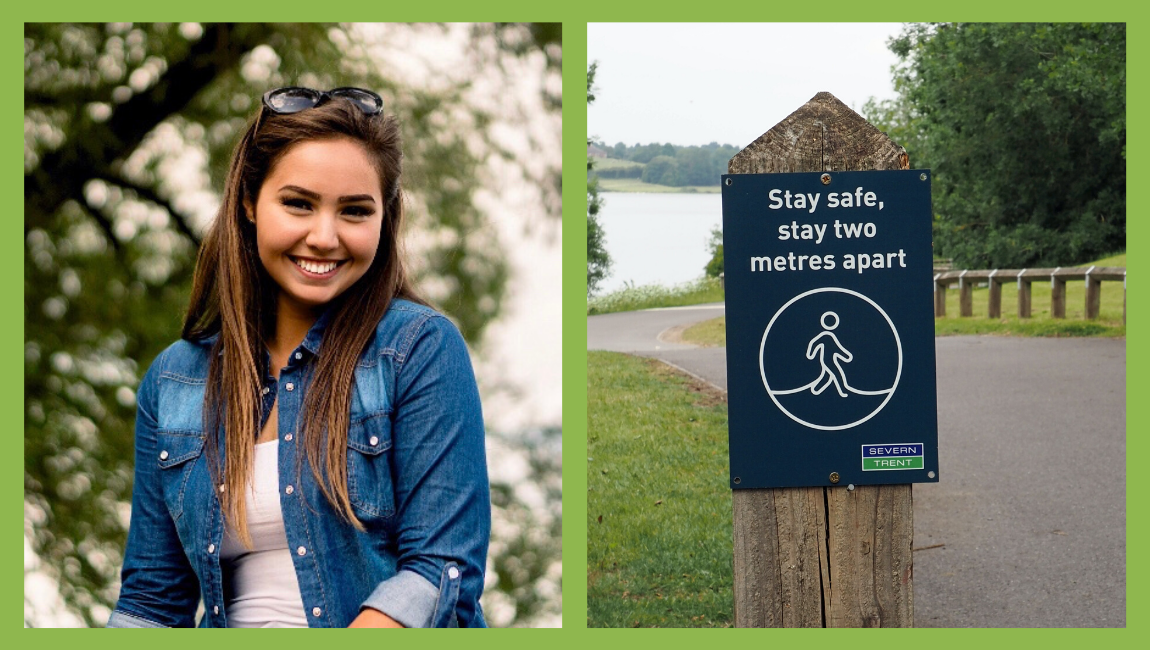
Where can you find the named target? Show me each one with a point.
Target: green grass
(636, 185)
(1109, 322)
(658, 498)
(1118, 259)
(650, 296)
(709, 333)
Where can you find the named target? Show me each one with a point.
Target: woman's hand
(373, 618)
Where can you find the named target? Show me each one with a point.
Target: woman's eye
(296, 204)
(358, 211)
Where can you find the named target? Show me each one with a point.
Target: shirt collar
(314, 337)
(311, 342)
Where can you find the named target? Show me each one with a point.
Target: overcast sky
(695, 83)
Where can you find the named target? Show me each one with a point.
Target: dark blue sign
(830, 328)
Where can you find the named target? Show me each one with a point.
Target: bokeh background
(127, 133)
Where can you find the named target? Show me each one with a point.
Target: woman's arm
(369, 617)
(443, 506)
(158, 587)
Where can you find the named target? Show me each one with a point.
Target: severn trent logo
(902, 455)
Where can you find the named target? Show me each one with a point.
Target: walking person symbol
(797, 336)
(817, 347)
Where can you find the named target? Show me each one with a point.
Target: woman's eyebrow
(315, 196)
(299, 190)
(356, 198)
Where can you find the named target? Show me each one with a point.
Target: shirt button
(164, 455)
(289, 489)
(299, 355)
(374, 441)
(288, 437)
(315, 611)
(222, 486)
(290, 386)
(211, 548)
(453, 573)
(265, 390)
(302, 551)
(216, 609)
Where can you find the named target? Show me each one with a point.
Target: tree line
(668, 164)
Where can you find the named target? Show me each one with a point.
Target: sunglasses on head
(294, 99)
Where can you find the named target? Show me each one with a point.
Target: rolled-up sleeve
(443, 504)
(158, 587)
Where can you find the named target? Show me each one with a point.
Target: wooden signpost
(823, 556)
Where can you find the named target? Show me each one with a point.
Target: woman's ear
(249, 211)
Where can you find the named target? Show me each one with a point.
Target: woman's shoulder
(406, 324)
(184, 359)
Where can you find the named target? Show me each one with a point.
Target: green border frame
(575, 16)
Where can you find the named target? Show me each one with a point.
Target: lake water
(657, 238)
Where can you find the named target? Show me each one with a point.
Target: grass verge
(636, 185)
(658, 500)
(709, 333)
(649, 296)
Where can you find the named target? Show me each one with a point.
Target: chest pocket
(369, 481)
(177, 456)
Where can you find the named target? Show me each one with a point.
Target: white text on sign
(810, 202)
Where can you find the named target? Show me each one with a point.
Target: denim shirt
(416, 477)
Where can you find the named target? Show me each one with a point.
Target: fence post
(800, 552)
(1093, 295)
(1023, 296)
(994, 308)
(1057, 295)
(939, 297)
(965, 299)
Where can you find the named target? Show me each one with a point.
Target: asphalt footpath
(1027, 525)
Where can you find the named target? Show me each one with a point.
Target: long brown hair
(234, 297)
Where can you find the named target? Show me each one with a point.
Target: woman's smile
(315, 268)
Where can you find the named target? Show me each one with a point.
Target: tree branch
(93, 148)
(150, 195)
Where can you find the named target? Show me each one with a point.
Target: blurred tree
(663, 170)
(715, 244)
(527, 544)
(128, 129)
(598, 261)
(1024, 126)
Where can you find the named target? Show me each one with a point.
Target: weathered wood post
(1057, 295)
(994, 300)
(939, 297)
(1093, 295)
(823, 557)
(965, 296)
(1023, 295)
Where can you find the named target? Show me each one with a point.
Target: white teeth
(316, 267)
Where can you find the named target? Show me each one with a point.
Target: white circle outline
(763, 346)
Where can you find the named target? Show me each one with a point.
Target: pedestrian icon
(807, 329)
(817, 347)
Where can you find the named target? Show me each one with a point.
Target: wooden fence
(1058, 277)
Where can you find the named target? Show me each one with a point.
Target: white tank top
(260, 586)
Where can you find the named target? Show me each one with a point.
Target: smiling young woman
(305, 345)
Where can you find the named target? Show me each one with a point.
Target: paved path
(645, 333)
(1031, 506)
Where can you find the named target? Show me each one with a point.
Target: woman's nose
(323, 235)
